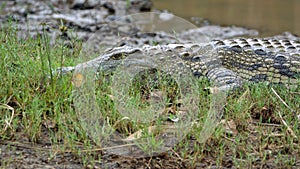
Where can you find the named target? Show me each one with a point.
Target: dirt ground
(20, 153)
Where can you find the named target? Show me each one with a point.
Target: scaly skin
(227, 63)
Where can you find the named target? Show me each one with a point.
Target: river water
(268, 16)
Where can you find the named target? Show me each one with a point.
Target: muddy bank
(70, 19)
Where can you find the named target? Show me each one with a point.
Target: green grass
(29, 87)
(33, 101)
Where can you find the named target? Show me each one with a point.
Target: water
(270, 17)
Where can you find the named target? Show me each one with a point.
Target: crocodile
(228, 63)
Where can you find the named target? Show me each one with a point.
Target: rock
(142, 5)
(85, 4)
(213, 32)
(287, 35)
